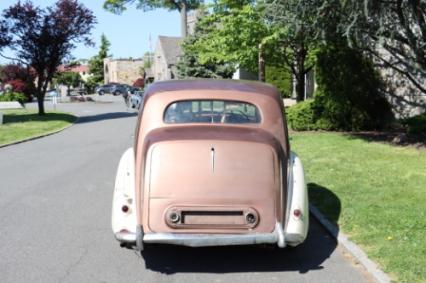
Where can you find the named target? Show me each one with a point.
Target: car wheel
(101, 92)
(116, 93)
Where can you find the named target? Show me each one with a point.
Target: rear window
(211, 111)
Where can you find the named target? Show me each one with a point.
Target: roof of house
(171, 48)
(76, 68)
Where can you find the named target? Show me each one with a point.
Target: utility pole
(261, 63)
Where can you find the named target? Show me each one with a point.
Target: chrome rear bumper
(205, 240)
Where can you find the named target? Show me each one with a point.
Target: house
(81, 69)
(124, 71)
(166, 56)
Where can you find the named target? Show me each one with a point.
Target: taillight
(297, 212)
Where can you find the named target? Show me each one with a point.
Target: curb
(41, 136)
(353, 249)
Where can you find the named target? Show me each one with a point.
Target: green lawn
(22, 124)
(376, 193)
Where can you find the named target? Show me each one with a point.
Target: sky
(128, 33)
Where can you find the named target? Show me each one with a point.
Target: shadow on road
(106, 116)
(308, 256)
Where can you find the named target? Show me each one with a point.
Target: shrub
(90, 84)
(416, 125)
(349, 94)
(14, 96)
(20, 78)
(300, 117)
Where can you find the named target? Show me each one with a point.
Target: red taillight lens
(297, 213)
(125, 208)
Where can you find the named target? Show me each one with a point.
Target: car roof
(213, 84)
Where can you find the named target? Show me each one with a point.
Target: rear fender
(297, 225)
(124, 222)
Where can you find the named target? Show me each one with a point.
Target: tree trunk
(40, 96)
(261, 71)
(300, 87)
(183, 19)
(40, 102)
(300, 76)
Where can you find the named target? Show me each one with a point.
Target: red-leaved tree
(43, 38)
(139, 83)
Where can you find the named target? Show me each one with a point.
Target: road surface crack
(74, 265)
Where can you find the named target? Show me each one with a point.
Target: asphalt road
(55, 207)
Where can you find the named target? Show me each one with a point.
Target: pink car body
(211, 165)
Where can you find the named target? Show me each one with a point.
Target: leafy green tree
(232, 35)
(251, 35)
(69, 79)
(235, 34)
(189, 65)
(183, 6)
(296, 36)
(393, 32)
(96, 63)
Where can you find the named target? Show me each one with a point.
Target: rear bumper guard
(205, 240)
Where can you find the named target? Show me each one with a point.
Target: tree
(393, 32)
(296, 36)
(183, 6)
(69, 79)
(96, 63)
(232, 36)
(281, 78)
(190, 65)
(4, 37)
(43, 38)
(350, 91)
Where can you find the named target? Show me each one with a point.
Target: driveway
(55, 207)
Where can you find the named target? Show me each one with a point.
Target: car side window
(211, 111)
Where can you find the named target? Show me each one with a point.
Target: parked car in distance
(119, 89)
(112, 88)
(210, 166)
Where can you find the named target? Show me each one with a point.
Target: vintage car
(211, 165)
